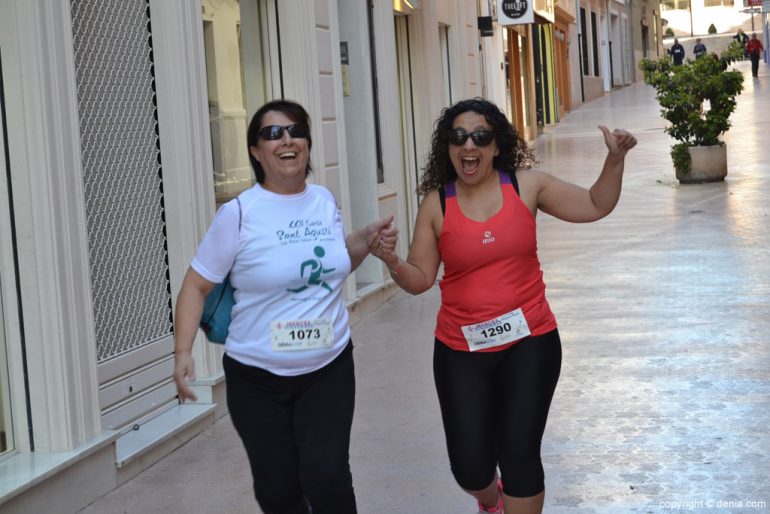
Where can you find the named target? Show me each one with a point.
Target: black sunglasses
(273, 132)
(459, 136)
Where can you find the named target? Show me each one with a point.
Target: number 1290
(496, 331)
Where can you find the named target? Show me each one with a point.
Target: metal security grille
(122, 173)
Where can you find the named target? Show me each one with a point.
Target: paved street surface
(664, 399)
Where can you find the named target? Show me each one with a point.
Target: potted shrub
(682, 90)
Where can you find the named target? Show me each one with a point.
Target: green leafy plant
(682, 90)
(681, 157)
(712, 29)
(668, 33)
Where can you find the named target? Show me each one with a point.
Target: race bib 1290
(496, 332)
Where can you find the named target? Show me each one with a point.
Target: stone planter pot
(709, 164)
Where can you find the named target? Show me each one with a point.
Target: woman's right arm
(418, 272)
(189, 306)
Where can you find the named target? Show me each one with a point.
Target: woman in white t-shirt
(288, 356)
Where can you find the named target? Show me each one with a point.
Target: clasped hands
(382, 236)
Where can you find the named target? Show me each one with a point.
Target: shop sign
(515, 12)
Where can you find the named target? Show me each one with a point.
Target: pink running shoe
(497, 509)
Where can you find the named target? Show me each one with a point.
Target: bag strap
(240, 214)
(240, 219)
(442, 191)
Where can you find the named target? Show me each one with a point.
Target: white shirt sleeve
(216, 253)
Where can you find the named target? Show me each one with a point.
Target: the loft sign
(515, 12)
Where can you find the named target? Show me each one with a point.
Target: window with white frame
(446, 69)
(237, 87)
(6, 432)
(375, 93)
(404, 65)
(595, 42)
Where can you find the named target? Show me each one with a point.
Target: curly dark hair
(294, 111)
(514, 152)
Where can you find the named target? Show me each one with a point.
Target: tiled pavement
(664, 399)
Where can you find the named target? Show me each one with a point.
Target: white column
(183, 120)
(47, 183)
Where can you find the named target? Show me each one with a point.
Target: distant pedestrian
(742, 40)
(497, 352)
(677, 52)
(754, 49)
(700, 49)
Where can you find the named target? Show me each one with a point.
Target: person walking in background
(288, 355)
(497, 352)
(699, 49)
(677, 52)
(742, 40)
(754, 49)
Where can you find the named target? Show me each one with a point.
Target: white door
(7, 282)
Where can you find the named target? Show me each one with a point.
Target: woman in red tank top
(497, 353)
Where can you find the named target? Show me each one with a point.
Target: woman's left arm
(359, 242)
(573, 203)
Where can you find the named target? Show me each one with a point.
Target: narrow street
(664, 398)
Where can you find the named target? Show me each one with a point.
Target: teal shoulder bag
(217, 310)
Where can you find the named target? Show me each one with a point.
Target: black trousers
(494, 406)
(754, 64)
(296, 431)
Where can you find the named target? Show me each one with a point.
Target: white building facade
(123, 126)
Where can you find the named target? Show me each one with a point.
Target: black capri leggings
(296, 431)
(495, 406)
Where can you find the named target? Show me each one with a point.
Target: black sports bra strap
(442, 191)
(515, 182)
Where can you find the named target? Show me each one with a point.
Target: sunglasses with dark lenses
(459, 136)
(273, 132)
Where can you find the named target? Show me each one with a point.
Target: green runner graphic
(316, 270)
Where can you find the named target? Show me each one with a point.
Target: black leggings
(495, 406)
(754, 64)
(296, 431)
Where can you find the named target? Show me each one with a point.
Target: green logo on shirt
(316, 270)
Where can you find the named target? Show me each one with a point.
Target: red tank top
(490, 268)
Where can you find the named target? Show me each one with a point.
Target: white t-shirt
(288, 262)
